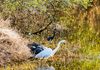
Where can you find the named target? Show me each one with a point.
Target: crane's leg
(41, 63)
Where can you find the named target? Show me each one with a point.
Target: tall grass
(80, 27)
(12, 46)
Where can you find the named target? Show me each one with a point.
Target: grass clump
(12, 46)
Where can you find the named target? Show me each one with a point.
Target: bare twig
(51, 21)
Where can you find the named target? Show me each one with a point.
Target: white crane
(48, 52)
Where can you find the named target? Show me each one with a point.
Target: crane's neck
(58, 46)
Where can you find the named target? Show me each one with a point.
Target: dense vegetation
(77, 21)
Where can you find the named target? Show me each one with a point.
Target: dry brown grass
(12, 46)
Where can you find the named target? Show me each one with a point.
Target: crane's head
(62, 42)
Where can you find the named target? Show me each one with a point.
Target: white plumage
(48, 52)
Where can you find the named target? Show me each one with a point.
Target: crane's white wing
(44, 54)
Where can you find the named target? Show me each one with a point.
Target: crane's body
(47, 52)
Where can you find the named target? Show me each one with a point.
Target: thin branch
(51, 21)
